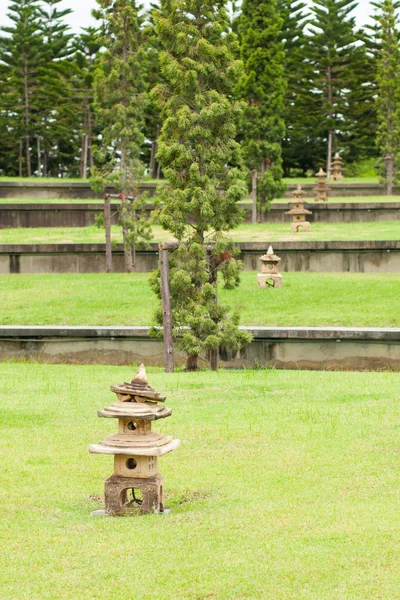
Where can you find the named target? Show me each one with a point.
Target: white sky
(81, 16)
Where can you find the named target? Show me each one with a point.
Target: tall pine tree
(56, 110)
(301, 145)
(21, 58)
(387, 40)
(263, 88)
(333, 49)
(120, 101)
(200, 159)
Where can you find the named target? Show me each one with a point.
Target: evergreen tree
(387, 40)
(120, 101)
(301, 145)
(333, 50)
(86, 48)
(358, 137)
(200, 159)
(21, 57)
(263, 88)
(56, 111)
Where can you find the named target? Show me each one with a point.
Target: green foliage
(387, 40)
(202, 162)
(334, 53)
(120, 103)
(21, 58)
(263, 87)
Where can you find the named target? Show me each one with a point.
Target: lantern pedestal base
(273, 280)
(301, 226)
(117, 492)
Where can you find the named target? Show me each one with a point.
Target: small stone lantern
(321, 187)
(337, 168)
(136, 449)
(299, 212)
(269, 270)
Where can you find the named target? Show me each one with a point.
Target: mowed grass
(261, 232)
(285, 487)
(306, 299)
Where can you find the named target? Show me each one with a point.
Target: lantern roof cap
(270, 256)
(138, 387)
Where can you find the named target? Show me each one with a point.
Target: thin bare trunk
(330, 116)
(107, 220)
(90, 133)
(254, 198)
(45, 162)
(84, 155)
(167, 312)
(39, 163)
(20, 159)
(329, 157)
(27, 121)
(389, 174)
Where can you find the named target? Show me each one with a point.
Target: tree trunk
(20, 159)
(191, 363)
(28, 157)
(127, 249)
(329, 157)
(167, 312)
(39, 163)
(27, 121)
(45, 162)
(389, 174)
(213, 279)
(90, 133)
(330, 116)
(84, 155)
(107, 220)
(254, 198)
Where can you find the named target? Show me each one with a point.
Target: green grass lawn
(306, 299)
(265, 232)
(285, 487)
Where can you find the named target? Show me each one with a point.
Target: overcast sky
(81, 16)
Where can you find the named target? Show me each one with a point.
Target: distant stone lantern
(299, 212)
(269, 270)
(337, 168)
(136, 449)
(321, 187)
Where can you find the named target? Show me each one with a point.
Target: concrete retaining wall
(282, 348)
(61, 189)
(331, 257)
(82, 215)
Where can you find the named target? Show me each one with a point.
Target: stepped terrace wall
(331, 257)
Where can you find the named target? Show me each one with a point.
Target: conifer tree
(120, 101)
(21, 56)
(301, 145)
(332, 50)
(263, 88)
(201, 160)
(86, 48)
(56, 110)
(387, 39)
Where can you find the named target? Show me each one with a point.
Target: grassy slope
(306, 299)
(266, 232)
(285, 488)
